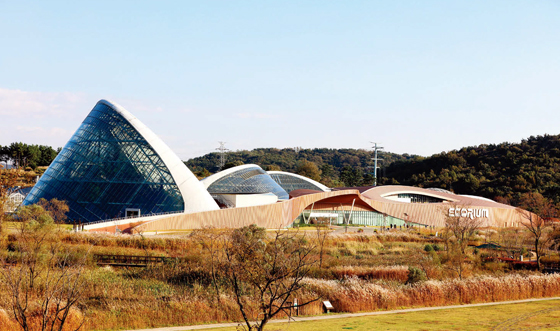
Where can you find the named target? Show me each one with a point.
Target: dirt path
(332, 316)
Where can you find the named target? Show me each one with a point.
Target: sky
(418, 77)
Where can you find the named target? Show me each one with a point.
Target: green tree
(351, 176)
(309, 169)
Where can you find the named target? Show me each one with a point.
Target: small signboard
(328, 306)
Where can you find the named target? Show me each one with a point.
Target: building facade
(114, 167)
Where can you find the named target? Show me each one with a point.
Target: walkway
(347, 315)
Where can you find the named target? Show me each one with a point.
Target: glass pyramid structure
(109, 167)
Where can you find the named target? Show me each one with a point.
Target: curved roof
(380, 193)
(246, 178)
(290, 181)
(195, 196)
(213, 178)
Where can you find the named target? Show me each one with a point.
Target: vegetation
(42, 283)
(359, 272)
(537, 212)
(23, 155)
(263, 275)
(333, 167)
(516, 316)
(504, 172)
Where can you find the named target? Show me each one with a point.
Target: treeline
(333, 167)
(504, 172)
(24, 155)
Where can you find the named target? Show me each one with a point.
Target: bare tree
(264, 273)
(46, 283)
(212, 241)
(535, 210)
(461, 223)
(323, 232)
(511, 240)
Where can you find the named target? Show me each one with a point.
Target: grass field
(542, 315)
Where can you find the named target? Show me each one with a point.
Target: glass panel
(249, 180)
(291, 183)
(103, 170)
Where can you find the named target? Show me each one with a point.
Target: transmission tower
(375, 150)
(223, 151)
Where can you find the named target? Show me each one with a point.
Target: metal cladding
(414, 206)
(114, 163)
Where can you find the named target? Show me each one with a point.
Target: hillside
(336, 167)
(505, 170)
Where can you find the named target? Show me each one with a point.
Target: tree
(272, 167)
(46, 284)
(57, 209)
(232, 164)
(309, 169)
(264, 273)
(8, 179)
(323, 232)
(351, 176)
(511, 240)
(212, 241)
(535, 210)
(460, 226)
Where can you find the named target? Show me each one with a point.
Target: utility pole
(223, 151)
(375, 149)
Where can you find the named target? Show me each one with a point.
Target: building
(114, 166)
(115, 172)
(16, 195)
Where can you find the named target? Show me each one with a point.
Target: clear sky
(419, 77)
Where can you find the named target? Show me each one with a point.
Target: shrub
(428, 248)
(415, 275)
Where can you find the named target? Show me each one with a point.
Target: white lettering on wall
(471, 213)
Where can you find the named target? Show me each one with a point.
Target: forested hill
(503, 172)
(333, 167)
(499, 171)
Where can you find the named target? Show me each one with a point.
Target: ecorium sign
(468, 212)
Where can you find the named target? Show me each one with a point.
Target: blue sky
(419, 77)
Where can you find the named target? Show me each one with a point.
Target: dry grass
(354, 294)
(360, 273)
(392, 273)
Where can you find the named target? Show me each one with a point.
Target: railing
(131, 217)
(128, 260)
(551, 267)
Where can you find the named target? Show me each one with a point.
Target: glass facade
(106, 168)
(418, 198)
(290, 183)
(248, 180)
(356, 217)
